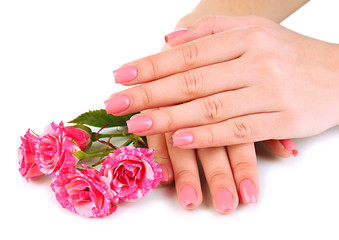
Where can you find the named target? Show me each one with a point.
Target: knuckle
(240, 129)
(217, 175)
(189, 54)
(183, 174)
(210, 136)
(275, 67)
(154, 66)
(191, 83)
(146, 96)
(256, 34)
(212, 108)
(243, 165)
(168, 119)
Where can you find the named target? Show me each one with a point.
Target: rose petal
(134, 172)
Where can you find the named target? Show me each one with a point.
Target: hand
(231, 172)
(240, 85)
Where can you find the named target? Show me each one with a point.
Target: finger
(282, 148)
(210, 25)
(158, 143)
(198, 53)
(181, 87)
(245, 129)
(219, 177)
(208, 110)
(245, 171)
(186, 175)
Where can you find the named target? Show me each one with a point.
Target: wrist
(336, 83)
(329, 61)
(208, 8)
(274, 10)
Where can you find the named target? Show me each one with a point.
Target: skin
(275, 10)
(231, 164)
(265, 101)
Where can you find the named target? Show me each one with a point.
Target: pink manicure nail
(139, 124)
(188, 197)
(181, 139)
(117, 104)
(164, 173)
(125, 74)
(248, 192)
(175, 34)
(224, 200)
(289, 145)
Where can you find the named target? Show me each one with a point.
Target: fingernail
(289, 145)
(125, 74)
(117, 104)
(164, 173)
(188, 197)
(139, 124)
(182, 139)
(248, 192)
(175, 34)
(224, 200)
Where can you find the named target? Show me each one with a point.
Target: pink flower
(82, 192)
(54, 150)
(131, 172)
(79, 135)
(27, 166)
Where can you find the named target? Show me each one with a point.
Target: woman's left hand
(253, 80)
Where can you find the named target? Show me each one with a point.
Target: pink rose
(82, 192)
(27, 165)
(131, 172)
(79, 135)
(54, 150)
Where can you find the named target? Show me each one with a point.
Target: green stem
(104, 154)
(104, 135)
(100, 150)
(99, 162)
(127, 142)
(140, 140)
(83, 155)
(95, 136)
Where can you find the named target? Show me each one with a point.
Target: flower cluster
(51, 151)
(126, 174)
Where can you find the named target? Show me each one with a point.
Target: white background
(56, 61)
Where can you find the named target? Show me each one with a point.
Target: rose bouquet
(90, 175)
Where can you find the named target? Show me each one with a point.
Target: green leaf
(99, 118)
